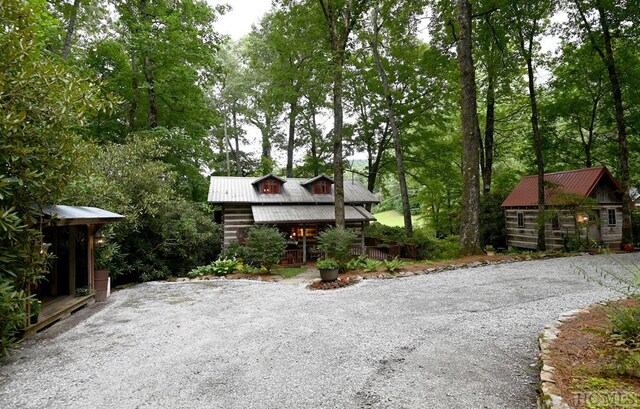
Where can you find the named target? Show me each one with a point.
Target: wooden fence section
(378, 252)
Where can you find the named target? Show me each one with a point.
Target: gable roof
(269, 176)
(579, 181)
(322, 176)
(236, 189)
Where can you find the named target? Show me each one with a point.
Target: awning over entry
(307, 214)
(70, 215)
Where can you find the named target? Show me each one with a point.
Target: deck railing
(292, 258)
(377, 252)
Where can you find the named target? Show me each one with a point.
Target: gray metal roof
(236, 189)
(322, 176)
(307, 213)
(80, 214)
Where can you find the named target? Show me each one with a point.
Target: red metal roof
(579, 181)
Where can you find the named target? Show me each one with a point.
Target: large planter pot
(329, 275)
(102, 285)
(33, 319)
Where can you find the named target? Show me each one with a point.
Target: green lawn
(395, 218)
(288, 272)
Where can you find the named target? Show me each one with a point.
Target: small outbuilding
(585, 204)
(301, 208)
(70, 234)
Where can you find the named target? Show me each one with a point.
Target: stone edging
(548, 395)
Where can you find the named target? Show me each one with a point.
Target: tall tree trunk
(133, 106)
(314, 142)
(236, 138)
(489, 131)
(338, 169)
(151, 92)
(293, 112)
(537, 138)
(265, 159)
(623, 151)
(395, 133)
(470, 221)
(71, 27)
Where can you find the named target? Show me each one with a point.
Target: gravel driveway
(457, 339)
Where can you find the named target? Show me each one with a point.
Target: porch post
(304, 244)
(364, 249)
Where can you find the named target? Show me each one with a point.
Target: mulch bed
(333, 285)
(583, 355)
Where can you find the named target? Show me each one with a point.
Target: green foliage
(327, 264)
(237, 250)
(43, 106)
(493, 228)
(356, 263)
(625, 325)
(635, 224)
(394, 265)
(219, 267)
(336, 243)
(12, 315)
(267, 246)
(427, 246)
(83, 291)
(163, 233)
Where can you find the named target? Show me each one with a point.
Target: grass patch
(394, 218)
(288, 272)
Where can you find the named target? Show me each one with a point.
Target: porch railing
(292, 258)
(377, 252)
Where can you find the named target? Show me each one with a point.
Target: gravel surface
(457, 339)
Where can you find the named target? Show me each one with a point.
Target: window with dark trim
(270, 186)
(322, 187)
(611, 216)
(520, 219)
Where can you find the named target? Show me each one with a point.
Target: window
(322, 187)
(270, 186)
(520, 219)
(555, 222)
(611, 215)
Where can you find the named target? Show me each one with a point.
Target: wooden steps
(56, 309)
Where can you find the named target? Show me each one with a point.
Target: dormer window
(270, 186)
(319, 185)
(322, 187)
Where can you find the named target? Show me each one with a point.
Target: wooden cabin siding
(527, 237)
(604, 193)
(235, 217)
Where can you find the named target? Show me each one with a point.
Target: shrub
(12, 315)
(625, 324)
(445, 249)
(327, 264)
(219, 267)
(266, 246)
(635, 225)
(357, 263)
(336, 243)
(237, 251)
(371, 265)
(393, 266)
(493, 225)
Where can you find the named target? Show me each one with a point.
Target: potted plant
(36, 307)
(328, 269)
(490, 250)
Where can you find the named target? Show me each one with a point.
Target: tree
(340, 17)
(528, 20)
(470, 221)
(43, 106)
(605, 15)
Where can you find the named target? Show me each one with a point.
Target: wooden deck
(56, 309)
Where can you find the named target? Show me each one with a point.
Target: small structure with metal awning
(70, 235)
(300, 207)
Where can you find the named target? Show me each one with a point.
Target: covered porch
(69, 235)
(301, 225)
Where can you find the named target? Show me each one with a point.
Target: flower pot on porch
(34, 319)
(329, 275)
(102, 285)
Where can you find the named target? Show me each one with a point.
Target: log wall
(234, 218)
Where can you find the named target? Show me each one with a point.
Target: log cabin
(300, 208)
(598, 221)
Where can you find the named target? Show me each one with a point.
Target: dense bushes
(266, 246)
(163, 233)
(336, 243)
(635, 223)
(427, 246)
(493, 224)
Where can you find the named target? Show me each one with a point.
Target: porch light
(44, 247)
(99, 238)
(582, 218)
